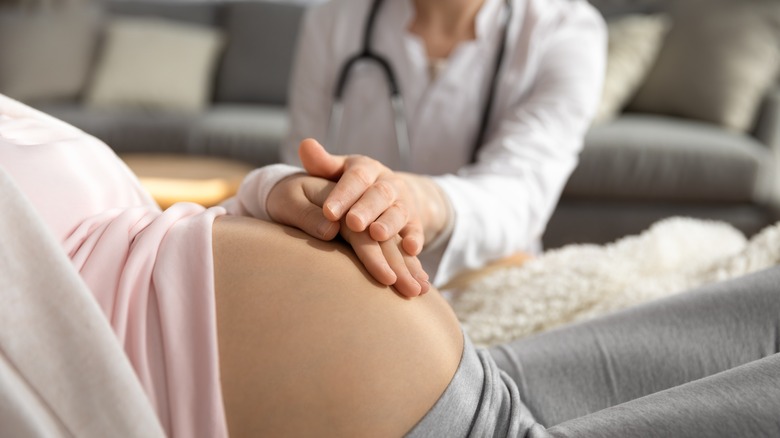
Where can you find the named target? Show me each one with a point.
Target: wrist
(277, 195)
(433, 207)
(256, 190)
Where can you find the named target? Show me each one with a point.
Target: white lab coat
(547, 93)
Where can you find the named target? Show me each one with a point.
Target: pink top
(150, 271)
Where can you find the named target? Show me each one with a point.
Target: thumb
(318, 162)
(309, 219)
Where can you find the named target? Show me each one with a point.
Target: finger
(405, 282)
(314, 223)
(415, 268)
(358, 176)
(388, 224)
(316, 190)
(413, 237)
(308, 217)
(378, 198)
(318, 162)
(289, 204)
(370, 254)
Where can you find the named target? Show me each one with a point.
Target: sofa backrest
(257, 62)
(261, 37)
(204, 13)
(611, 8)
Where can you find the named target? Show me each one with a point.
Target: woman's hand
(368, 196)
(297, 201)
(388, 262)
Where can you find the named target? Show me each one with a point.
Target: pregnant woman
(241, 326)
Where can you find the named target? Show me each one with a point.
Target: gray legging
(699, 364)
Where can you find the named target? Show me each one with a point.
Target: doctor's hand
(297, 201)
(367, 196)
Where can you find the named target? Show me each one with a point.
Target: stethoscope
(396, 100)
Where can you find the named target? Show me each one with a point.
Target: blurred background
(192, 95)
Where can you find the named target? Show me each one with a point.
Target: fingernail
(415, 246)
(355, 221)
(389, 272)
(335, 208)
(424, 287)
(324, 228)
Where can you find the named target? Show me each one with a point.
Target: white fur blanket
(577, 282)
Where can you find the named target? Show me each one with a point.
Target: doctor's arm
(501, 204)
(370, 197)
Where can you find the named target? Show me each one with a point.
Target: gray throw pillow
(46, 54)
(718, 61)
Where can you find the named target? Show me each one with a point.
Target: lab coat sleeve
(502, 203)
(312, 81)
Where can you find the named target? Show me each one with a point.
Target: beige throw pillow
(156, 64)
(634, 43)
(718, 61)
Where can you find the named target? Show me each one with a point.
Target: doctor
(468, 164)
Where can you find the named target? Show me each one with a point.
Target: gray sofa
(643, 167)
(246, 117)
(633, 171)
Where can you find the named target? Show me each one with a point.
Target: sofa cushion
(646, 157)
(156, 64)
(257, 62)
(717, 62)
(127, 130)
(46, 54)
(252, 133)
(596, 221)
(634, 43)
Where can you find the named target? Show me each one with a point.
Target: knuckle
(362, 159)
(385, 190)
(402, 210)
(362, 175)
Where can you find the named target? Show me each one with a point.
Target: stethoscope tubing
(396, 99)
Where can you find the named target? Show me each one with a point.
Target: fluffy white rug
(577, 282)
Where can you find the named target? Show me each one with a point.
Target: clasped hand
(369, 205)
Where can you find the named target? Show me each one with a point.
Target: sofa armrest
(767, 131)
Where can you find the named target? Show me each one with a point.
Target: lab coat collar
(484, 23)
